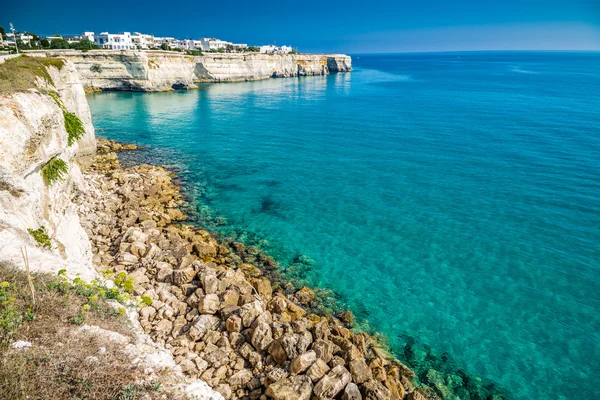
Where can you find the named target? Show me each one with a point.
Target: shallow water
(451, 199)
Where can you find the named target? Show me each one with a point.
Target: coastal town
(13, 40)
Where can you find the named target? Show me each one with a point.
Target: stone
(351, 392)
(277, 374)
(297, 387)
(240, 378)
(183, 275)
(209, 304)
(249, 312)
(324, 349)
(262, 336)
(277, 351)
(360, 371)
(165, 272)
(205, 249)
(296, 343)
(250, 270)
(332, 383)
(233, 324)
(204, 323)
(302, 362)
(373, 390)
(164, 327)
(225, 390)
(138, 249)
(317, 370)
(416, 396)
(305, 295)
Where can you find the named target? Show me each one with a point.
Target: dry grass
(20, 73)
(63, 362)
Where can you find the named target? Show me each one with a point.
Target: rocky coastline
(211, 304)
(157, 71)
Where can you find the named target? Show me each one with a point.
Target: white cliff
(160, 70)
(32, 132)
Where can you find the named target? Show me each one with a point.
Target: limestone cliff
(32, 132)
(160, 71)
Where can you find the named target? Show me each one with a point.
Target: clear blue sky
(349, 26)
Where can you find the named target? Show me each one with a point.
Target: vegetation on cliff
(21, 73)
(73, 124)
(55, 170)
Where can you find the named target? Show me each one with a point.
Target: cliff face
(32, 132)
(160, 71)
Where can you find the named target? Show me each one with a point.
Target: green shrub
(59, 44)
(73, 124)
(74, 127)
(96, 68)
(41, 236)
(54, 170)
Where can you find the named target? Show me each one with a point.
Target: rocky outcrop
(32, 132)
(160, 70)
(214, 303)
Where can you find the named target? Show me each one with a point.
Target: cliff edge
(162, 71)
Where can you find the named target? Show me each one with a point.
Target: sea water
(451, 201)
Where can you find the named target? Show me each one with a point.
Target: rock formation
(160, 71)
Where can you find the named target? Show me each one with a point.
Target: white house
(89, 36)
(272, 49)
(213, 44)
(115, 41)
(24, 37)
(143, 41)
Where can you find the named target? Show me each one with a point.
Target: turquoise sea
(452, 201)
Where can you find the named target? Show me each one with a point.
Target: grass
(41, 237)
(73, 124)
(62, 362)
(55, 170)
(20, 73)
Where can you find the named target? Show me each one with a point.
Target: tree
(84, 45)
(253, 49)
(59, 44)
(45, 43)
(2, 32)
(229, 48)
(164, 46)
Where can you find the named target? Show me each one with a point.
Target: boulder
(373, 390)
(305, 295)
(233, 324)
(360, 371)
(262, 336)
(297, 387)
(240, 378)
(351, 392)
(333, 383)
(317, 370)
(249, 312)
(303, 362)
(204, 323)
(183, 275)
(209, 304)
(324, 349)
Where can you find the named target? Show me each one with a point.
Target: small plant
(73, 124)
(10, 318)
(40, 235)
(74, 127)
(54, 170)
(96, 68)
(145, 300)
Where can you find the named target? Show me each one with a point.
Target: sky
(349, 26)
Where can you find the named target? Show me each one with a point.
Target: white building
(143, 41)
(213, 44)
(272, 49)
(89, 36)
(24, 37)
(115, 41)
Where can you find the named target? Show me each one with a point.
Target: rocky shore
(211, 303)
